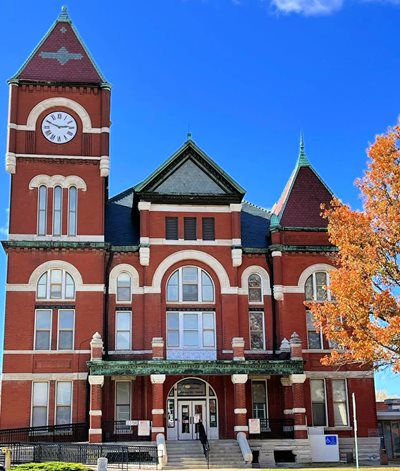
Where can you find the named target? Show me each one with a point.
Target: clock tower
(59, 124)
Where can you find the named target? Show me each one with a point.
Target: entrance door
(190, 414)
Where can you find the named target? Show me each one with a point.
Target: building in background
(173, 302)
(389, 426)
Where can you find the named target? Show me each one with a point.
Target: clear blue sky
(245, 76)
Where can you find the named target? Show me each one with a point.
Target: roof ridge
(257, 206)
(121, 195)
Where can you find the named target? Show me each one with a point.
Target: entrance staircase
(189, 455)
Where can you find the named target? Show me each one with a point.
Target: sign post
(355, 428)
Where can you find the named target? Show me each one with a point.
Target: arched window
(316, 289)
(42, 210)
(255, 288)
(190, 284)
(57, 211)
(123, 287)
(72, 210)
(55, 284)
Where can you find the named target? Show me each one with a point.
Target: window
(191, 330)
(42, 211)
(72, 210)
(171, 228)
(208, 228)
(255, 288)
(257, 330)
(190, 284)
(43, 329)
(123, 330)
(318, 402)
(124, 288)
(55, 284)
(190, 228)
(65, 339)
(314, 336)
(63, 402)
(340, 406)
(260, 409)
(317, 287)
(40, 401)
(122, 405)
(57, 210)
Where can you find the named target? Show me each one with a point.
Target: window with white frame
(260, 405)
(55, 284)
(318, 402)
(122, 405)
(42, 210)
(72, 210)
(255, 288)
(191, 330)
(66, 319)
(340, 403)
(190, 284)
(123, 330)
(43, 318)
(316, 289)
(314, 335)
(40, 404)
(257, 331)
(124, 291)
(63, 402)
(57, 210)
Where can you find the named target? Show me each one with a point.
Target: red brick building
(174, 301)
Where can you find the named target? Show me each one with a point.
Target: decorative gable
(190, 175)
(61, 56)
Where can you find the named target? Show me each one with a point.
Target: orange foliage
(364, 320)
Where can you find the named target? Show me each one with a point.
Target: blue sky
(244, 76)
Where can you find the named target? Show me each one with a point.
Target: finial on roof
(189, 136)
(63, 16)
(302, 160)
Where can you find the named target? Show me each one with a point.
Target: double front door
(190, 414)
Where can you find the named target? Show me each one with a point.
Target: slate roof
(61, 57)
(300, 203)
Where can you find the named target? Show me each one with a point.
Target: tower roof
(61, 57)
(300, 202)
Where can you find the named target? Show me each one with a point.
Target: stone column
(240, 410)
(158, 405)
(96, 411)
(96, 347)
(287, 397)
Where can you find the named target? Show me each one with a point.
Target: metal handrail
(204, 441)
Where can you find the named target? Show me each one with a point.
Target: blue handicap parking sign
(330, 440)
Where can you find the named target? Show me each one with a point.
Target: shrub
(50, 466)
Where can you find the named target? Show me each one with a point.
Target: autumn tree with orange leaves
(364, 320)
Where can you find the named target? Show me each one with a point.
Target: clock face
(59, 127)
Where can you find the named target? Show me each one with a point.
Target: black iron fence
(118, 431)
(275, 428)
(119, 455)
(48, 433)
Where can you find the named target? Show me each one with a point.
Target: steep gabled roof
(190, 174)
(300, 203)
(61, 57)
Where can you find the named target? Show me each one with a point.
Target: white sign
(143, 427)
(254, 426)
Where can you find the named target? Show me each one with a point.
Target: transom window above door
(190, 285)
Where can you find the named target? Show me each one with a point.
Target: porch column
(287, 397)
(157, 412)
(95, 412)
(240, 411)
(299, 410)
